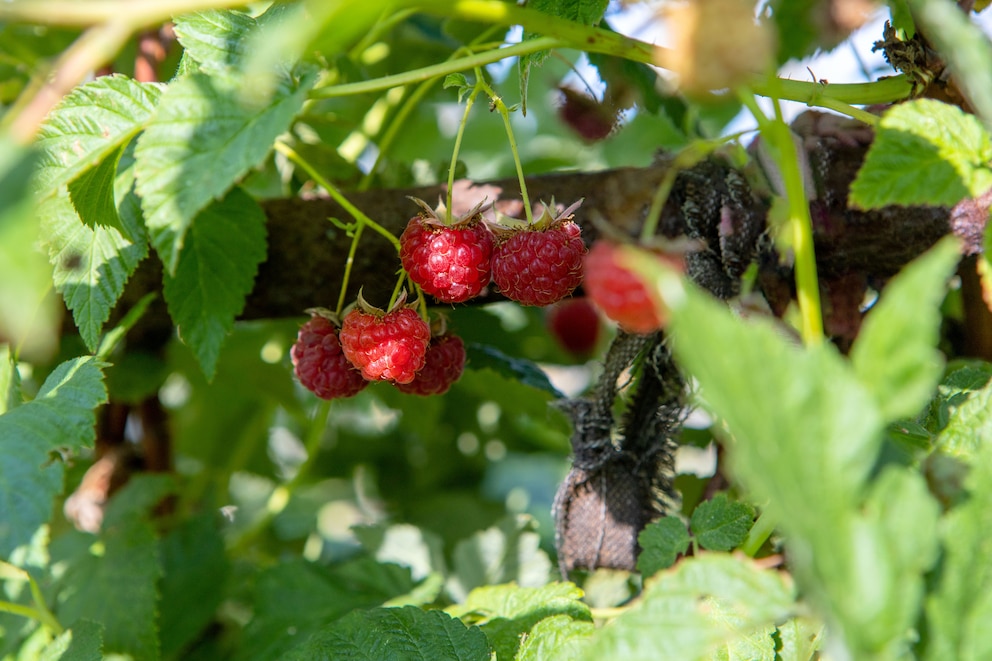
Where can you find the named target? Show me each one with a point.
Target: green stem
(332, 190)
(505, 114)
(782, 147)
(437, 70)
(658, 204)
(136, 13)
(397, 288)
(361, 220)
(455, 150)
(758, 535)
(40, 611)
(348, 265)
(282, 494)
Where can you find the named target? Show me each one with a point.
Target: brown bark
(307, 253)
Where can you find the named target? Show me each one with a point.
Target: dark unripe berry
(320, 364)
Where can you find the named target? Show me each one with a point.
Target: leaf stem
(757, 535)
(361, 220)
(437, 70)
(40, 611)
(349, 263)
(504, 112)
(454, 152)
(782, 147)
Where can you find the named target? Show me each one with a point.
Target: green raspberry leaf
(894, 354)
(958, 606)
(509, 612)
(215, 39)
(115, 581)
(692, 611)
(961, 382)
(89, 126)
(301, 597)
(62, 415)
(92, 194)
(925, 152)
(720, 524)
(92, 264)
(661, 544)
(83, 642)
(480, 356)
(386, 634)
(205, 136)
(557, 637)
(969, 424)
(214, 274)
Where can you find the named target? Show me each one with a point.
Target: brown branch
(307, 253)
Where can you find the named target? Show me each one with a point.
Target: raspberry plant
(191, 468)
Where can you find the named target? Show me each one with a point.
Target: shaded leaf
(969, 426)
(62, 415)
(91, 264)
(961, 382)
(115, 582)
(959, 605)
(214, 274)
(83, 642)
(194, 573)
(293, 600)
(924, 152)
(386, 634)
(203, 138)
(894, 353)
(661, 544)
(720, 524)
(480, 356)
(92, 195)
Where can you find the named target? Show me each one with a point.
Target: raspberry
(542, 263)
(385, 346)
(449, 262)
(319, 363)
(618, 292)
(574, 323)
(443, 366)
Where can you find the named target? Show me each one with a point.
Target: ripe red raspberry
(319, 363)
(574, 323)
(385, 346)
(542, 263)
(620, 293)
(443, 366)
(449, 262)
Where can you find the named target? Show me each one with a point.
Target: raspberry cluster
(538, 263)
(336, 361)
